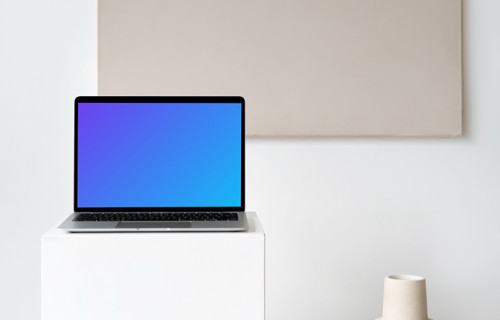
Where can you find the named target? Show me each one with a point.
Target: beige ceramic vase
(405, 298)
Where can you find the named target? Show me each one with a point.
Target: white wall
(340, 214)
(48, 55)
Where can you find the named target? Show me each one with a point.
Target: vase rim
(406, 277)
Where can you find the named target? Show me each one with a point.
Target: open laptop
(159, 164)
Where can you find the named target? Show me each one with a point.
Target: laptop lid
(159, 154)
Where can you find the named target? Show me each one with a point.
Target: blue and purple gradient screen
(159, 155)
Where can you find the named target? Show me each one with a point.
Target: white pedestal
(142, 276)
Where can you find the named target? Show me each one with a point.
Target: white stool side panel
(188, 276)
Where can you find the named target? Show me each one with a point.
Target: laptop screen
(159, 152)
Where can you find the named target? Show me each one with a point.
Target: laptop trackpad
(153, 224)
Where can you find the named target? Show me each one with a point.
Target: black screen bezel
(159, 99)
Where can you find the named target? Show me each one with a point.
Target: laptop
(158, 164)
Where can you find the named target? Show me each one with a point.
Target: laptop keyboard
(158, 216)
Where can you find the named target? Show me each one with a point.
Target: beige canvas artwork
(305, 68)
